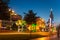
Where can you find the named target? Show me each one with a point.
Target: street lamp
(12, 11)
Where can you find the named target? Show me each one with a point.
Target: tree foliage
(4, 10)
(30, 17)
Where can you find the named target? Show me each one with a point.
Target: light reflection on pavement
(47, 38)
(43, 38)
(53, 37)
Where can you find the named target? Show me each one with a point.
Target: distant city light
(12, 11)
(9, 9)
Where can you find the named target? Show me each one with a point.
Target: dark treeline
(4, 10)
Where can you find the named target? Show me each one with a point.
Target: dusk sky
(41, 7)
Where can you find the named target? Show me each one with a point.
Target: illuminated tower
(51, 21)
(51, 17)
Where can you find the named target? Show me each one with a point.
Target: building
(40, 23)
(13, 17)
(51, 25)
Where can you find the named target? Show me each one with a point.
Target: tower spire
(51, 14)
(51, 9)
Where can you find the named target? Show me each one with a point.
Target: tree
(4, 10)
(30, 17)
(14, 26)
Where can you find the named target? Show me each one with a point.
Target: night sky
(41, 7)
